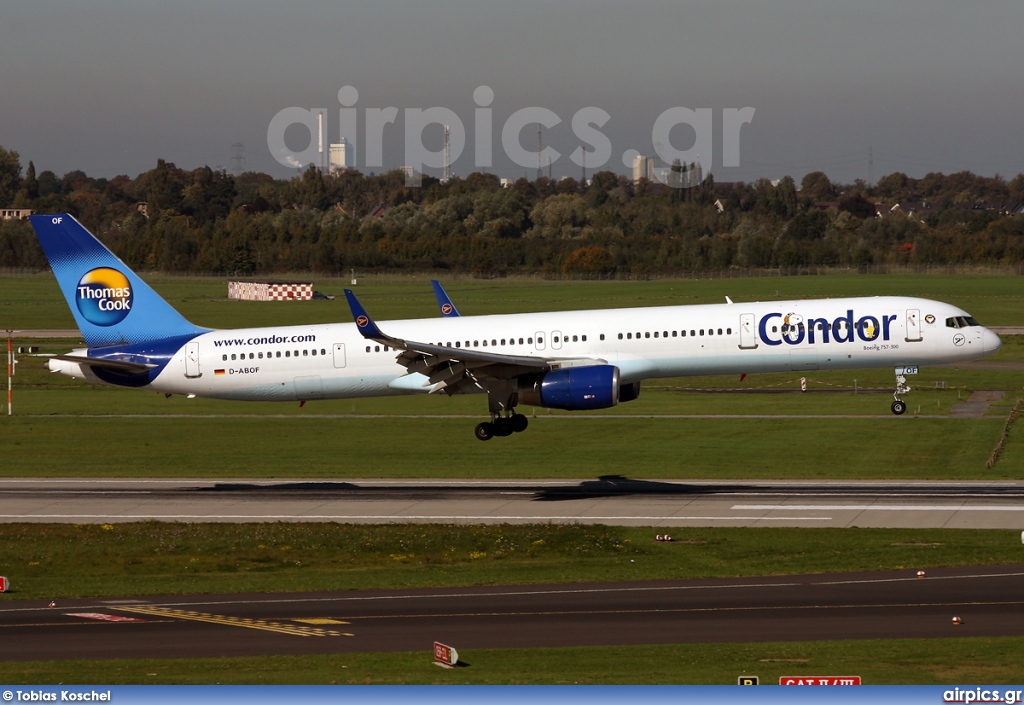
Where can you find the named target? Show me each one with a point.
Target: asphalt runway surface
(884, 605)
(612, 500)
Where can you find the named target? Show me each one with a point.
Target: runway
(607, 500)
(894, 605)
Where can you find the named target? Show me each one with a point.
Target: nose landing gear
(899, 406)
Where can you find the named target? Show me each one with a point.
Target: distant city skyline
(110, 86)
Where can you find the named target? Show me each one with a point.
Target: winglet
(448, 309)
(364, 323)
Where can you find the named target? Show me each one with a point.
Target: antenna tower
(447, 156)
(540, 148)
(238, 157)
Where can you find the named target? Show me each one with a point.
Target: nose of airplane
(990, 342)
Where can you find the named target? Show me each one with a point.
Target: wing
(457, 370)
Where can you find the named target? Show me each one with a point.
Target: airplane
(572, 360)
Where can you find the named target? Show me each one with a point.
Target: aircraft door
(538, 340)
(556, 340)
(748, 337)
(339, 354)
(192, 360)
(913, 325)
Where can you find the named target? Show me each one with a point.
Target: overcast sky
(110, 86)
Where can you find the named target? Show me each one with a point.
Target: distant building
(15, 213)
(643, 168)
(339, 157)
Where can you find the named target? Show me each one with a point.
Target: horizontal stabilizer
(105, 364)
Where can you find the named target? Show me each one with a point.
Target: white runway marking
(880, 507)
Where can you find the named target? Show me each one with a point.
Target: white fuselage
(334, 361)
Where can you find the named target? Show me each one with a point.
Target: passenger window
(629, 335)
(647, 334)
(458, 344)
(288, 353)
(232, 356)
(225, 358)
(664, 334)
(252, 356)
(702, 331)
(278, 353)
(529, 341)
(574, 339)
(675, 333)
(376, 348)
(584, 338)
(684, 333)
(323, 351)
(728, 331)
(655, 334)
(493, 342)
(719, 331)
(692, 333)
(367, 350)
(620, 336)
(261, 356)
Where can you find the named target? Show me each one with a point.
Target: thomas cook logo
(104, 296)
(362, 321)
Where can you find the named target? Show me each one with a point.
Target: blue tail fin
(448, 309)
(111, 305)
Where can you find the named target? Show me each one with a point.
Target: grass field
(32, 302)
(432, 436)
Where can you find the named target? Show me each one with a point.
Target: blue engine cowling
(573, 389)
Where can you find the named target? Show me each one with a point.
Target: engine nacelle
(573, 389)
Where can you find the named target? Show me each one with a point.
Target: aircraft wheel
(502, 426)
(898, 407)
(519, 423)
(484, 431)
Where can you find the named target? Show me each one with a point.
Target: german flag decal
(218, 372)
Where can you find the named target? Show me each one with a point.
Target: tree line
(207, 221)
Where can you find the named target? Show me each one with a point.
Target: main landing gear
(501, 426)
(899, 406)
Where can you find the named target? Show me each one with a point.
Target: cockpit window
(961, 322)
